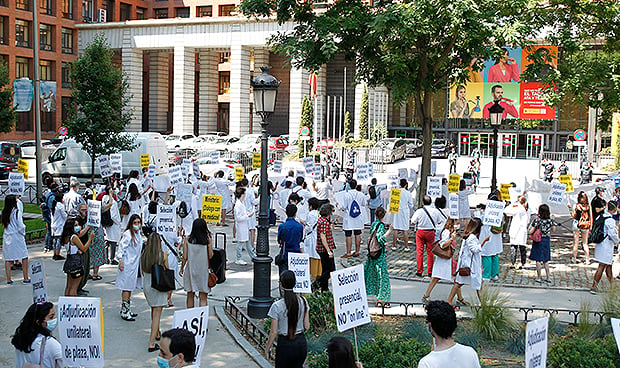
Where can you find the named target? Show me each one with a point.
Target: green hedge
(568, 352)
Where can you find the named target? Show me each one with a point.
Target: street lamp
(496, 113)
(265, 92)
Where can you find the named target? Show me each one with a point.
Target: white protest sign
(433, 167)
(17, 184)
(215, 157)
(413, 175)
(615, 327)
(176, 176)
(317, 172)
(277, 166)
(361, 172)
(39, 285)
(300, 173)
(453, 205)
(103, 162)
(196, 170)
(536, 343)
(308, 163)
(493, 213)
(161, 183)
(370, 168)
(433, 186)
(116, 163)
(403, 173)
(350, 299)
(94, 213)
(184, 193)
(195, 320)
(151, 172)
(299, 263)
(557, 193)
(80, 330)
(185, 165)
(166, 221)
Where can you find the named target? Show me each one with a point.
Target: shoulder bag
(280, 258)
(41, 354)
(536, 235)
(465, 271)
(445, 253)
(74, 264)
(162, 279)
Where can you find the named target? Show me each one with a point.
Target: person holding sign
(71, 241)
(541, 250)
(14, 238)
(401, 219)
(604, 251)
(325, 245)
(469, 258)
(223, 188)
(376, 274)
(197, 251)
(464, 212)
(33, 340)
(518, 229)
(442, 267)
(290, 317)
(128, 257)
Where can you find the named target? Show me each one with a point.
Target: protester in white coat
(241, 223)
(14, 240)
(128, 278)
(59, 217)
(518, 229)
(310, 238)
(401, 220)
(113, 232)
(223, 188)
(604, 251)
(354, 205)
(464, 212)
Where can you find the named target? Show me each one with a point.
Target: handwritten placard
(394, 200)
(195, 320)
(568, 181)
(116, 163)
(80, 331)
(145, 160)
(433, 186)
(103, 162)
(453, 205)
(39, 285)
(557, 193)
(493, 213)
(454, 182)
(277, 166)
(94, 213)
(299, 263)
(536, 343)
(17, 184)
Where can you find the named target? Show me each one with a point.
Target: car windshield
(385, 144)
(219, 140)
(248, 139)
(172, 138)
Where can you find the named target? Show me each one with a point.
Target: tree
(100, 99)
(7, 111)
(364, 115)
(412, 46)
(307, 120)
(347, 127)
(379, 131)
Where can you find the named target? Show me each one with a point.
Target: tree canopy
(7, 111)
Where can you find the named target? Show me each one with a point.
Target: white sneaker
(241, 262)
(407, 249)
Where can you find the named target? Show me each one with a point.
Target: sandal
(96, 278)
(356, 254)
(90, 277)
(153, 348)
(170, 304)
(158, 337)
(463, 302)
(346, 255)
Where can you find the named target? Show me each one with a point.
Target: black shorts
(347, 233)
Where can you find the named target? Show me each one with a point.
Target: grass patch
(28, 207)
(33, 224)
(491, 319)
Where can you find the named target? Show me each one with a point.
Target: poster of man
(508, 96)
(48, 96)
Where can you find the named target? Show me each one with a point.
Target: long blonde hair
(151, 253)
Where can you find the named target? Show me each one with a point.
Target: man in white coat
(72, 199)
(112, 233)
(354, 204)
(400, 220)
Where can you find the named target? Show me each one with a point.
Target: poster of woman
(506, 69)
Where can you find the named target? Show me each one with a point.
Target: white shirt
(458, 356)
(72, 201)
(58, 219)
(354, 223)
(424, 221)
(322, 190)
(112, 233)
(241, 220)
(52, 353)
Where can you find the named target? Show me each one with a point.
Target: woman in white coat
(14, 239)
(469, 256)
(242, 219)
(59, 217)
(464, 212)
(604, 251)
(402, 220)
(310, 234)
(518, 229)
(490, 253)
(128, 255)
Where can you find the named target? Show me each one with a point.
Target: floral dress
(376, 274)
(97, 248)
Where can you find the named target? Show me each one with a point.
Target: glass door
(464, 144)
(534, 145)
(508, 145)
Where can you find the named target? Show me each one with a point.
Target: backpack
(372, 192)
(584, 221)
(354, 210)
(106, 219)
(597, 234)
(375, 249)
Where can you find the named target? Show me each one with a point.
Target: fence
(572, 161)
(30, 192)
(361, 155)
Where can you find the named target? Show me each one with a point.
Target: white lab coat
(354, 223)
(13, 240)
(464, 211)
(250, 205)
(401, 220)
(112, 233)
(59, 217)
(604, 251)
(470, 256)
(519, 225)
(242, 222)
(222, 188)
(310, 231)
(494, 245)
(129, 249)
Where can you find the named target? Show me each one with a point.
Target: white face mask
(457, 226)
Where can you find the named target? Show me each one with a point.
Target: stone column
(183, 116)
(158, 91)
(132, 67)
(319, 104)
(208, 89)
(239, 90)
(299, 88)
(359, 91)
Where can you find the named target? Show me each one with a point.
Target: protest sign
(184, 193)
(166, 223)
(39, 285)
(22, 167)
(308, 163)
(17, 185)
(568, 181)
(413, 175)
(493, 213)
(370, 168)
(277, 166)
(360, 171)
(256, 160)
(403, 173)
(318, 170)
(116, 163)
(151, 172)
(239, 173)
(145, 160)
(557, 193)
(433, 186)
(536, 343)
(215, 157)
(103, 162)
(94, 213)
(453, 205)
(394, 200)
(161, 183)
(176, 176)
(195, 320)
(299, 263)
(196, 170)
(454, 182)
(300, 173)
(350, 299)
(185, 165)
(505, 191)
(211, 208)
(80, 331)
(615, 326)
(433, 167)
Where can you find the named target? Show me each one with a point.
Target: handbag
(41, 355)
(212, 279)
(74, 265)
(465, 271)
(280, 258)
(536, 235)
(162, 279)
(445, 253)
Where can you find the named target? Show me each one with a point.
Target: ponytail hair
(287, 279)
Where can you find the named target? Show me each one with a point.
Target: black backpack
(106, 219)
(372, 192)
(597, 234)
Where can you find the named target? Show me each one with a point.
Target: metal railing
(33, 235)
(361, 155)
(30, 192)
(249, 328)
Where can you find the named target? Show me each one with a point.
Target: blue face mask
(51, 324)
(163, 362)
(77, 229)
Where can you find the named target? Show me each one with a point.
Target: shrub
(417, 330)
(579, 352)
(491, 318)
(468, 336)
(515, 343)
(610, 303)
(322, 318)
(392, 352)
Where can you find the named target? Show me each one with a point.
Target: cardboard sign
(116, 163)
(504, 190)
(22, 167)
(145, 160)
(394, 200)
(370, 168)
(185, 165)
(39, 285)
(433, 186)
(299, 263)
(104, 166)
(413, 175)
(350, 299)
(239, 173)
(256, 160)
(557, 193)
(17, 184)
(195, 320)
(433, 167)
(568, 181)
(80, 331)
(403, 173)
(308, 163)
(151, 172)
(211, 208)
(361, 171)
(536, 343)
(453, 205)
(176, 176)
(493, 213)
(615, 327)
(196, 170)
(166, 221)
(215, 157)
(277, 166)
(94, 213)
(318, 171)
(454, 182)
(300, 173)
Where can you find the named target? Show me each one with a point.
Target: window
(224, 83)
(108, 5)
(140, 13)
(66, 75)
(60, 154)
(24, 122)
(87, 11)
(22, 67)
(224, 57)
(67, 9)
(204, 11)
(67, 41)
(45, 70)
(47, 7)
(22, 33)
(125, 12)
(46, 36)
(4, 33)
(22, 5)
(161, 13)
(227, 10)
(66, 109)
(182, 12)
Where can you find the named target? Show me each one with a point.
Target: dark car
(10, 152)
(414, 147)
(5, 169)
(440, 148)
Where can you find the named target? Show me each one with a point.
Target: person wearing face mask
(128, 257)
(113, 232)
(83, 234)
(33, 340)
(177, 349)
(71, 241)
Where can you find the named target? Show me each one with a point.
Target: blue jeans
(48, 237)
(248, 248)
(372, 215)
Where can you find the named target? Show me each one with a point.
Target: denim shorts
(575, 228)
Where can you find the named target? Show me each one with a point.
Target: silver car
(388, 150)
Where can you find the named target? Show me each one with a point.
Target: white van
(70, 160)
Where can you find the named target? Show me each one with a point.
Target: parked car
(414, 147)
(277, 143)
(388, 150)
(222, 143)
(247, 143)
(5, 169)
(198, 143)
(326, 144)
(440, 148)
(173, 141)
(29, 148)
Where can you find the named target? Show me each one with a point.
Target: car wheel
(393, 159)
